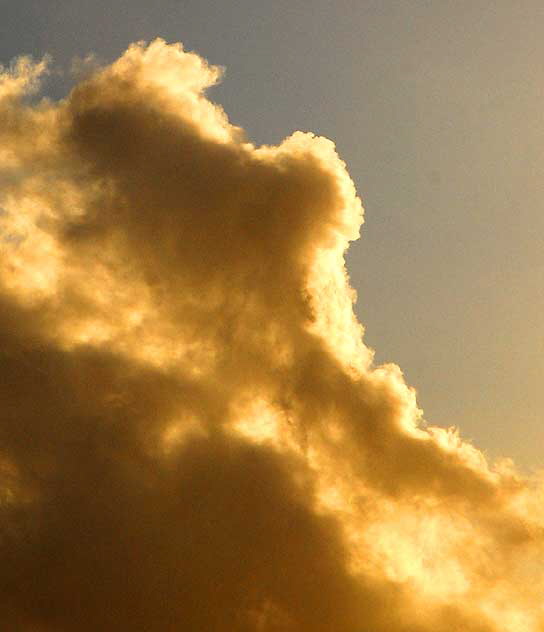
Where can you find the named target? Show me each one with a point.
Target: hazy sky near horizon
(436, 107)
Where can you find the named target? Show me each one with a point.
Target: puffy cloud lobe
(193, 434)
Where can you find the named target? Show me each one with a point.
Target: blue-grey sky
(437, 109)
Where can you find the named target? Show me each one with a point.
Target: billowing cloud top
(192, 434)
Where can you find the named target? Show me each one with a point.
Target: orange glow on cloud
(193, 434)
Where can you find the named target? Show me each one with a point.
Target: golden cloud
(193, 434)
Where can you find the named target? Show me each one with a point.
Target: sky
(436, 108)
(195, 432)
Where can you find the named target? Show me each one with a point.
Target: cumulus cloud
(193, 435)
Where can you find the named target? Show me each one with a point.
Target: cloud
(193, 434)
